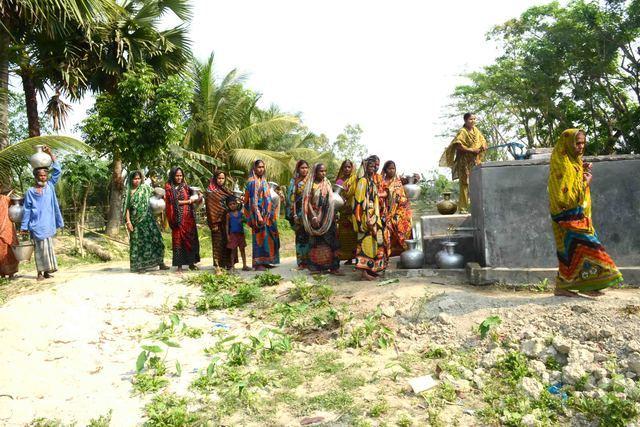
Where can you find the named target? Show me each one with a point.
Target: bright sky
(388, 66)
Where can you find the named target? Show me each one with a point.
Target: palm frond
(20, 152)
(278, 164)
(271, 128)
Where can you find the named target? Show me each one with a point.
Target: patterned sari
(216, 219)
(294, 208)
(8, 262)
(371, 254)
(398, 216)
(265, 238)
(346, 235)
(584, 265)
(146, 249)
(182, 220)
(323, 242)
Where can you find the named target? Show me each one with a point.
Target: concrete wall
(510, 210)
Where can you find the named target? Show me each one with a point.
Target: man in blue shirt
(42, 216)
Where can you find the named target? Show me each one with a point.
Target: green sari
(146, 249)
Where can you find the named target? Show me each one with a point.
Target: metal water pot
(237, 192)
(275, 198)
(194, 193)
(446, 206)
(23, 250)
(413, 257)
(16, 210)
(412, 189)
(448, 258)
(338, 201)
(40, 159)
(156, 202)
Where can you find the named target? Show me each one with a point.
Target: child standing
(235, 233)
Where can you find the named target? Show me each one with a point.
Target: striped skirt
(45, 255)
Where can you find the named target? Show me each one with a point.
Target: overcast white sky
(388, 66)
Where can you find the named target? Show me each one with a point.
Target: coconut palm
(226, 123)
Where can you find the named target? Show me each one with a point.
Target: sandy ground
(69, 350)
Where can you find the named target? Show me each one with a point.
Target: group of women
(371, 226)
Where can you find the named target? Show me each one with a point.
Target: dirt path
(69, 351)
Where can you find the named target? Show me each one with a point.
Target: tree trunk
(4, 90)
(83, 212)
(115, 198)
(31, 99)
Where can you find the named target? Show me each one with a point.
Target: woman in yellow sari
(584, 265)
(464, 152)
(371, 253)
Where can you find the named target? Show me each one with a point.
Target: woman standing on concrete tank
(464, 152)
(584, 265)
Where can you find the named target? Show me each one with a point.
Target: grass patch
(170, 410)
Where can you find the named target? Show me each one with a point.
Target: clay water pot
(16, 210)
(40, 159)
(446, 206)
(412, 258)
(411, 189)
(448, 258)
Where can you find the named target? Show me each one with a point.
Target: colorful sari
(584, 265)
(461, 162)
(323, 242)
(8, 261)
(265, 238)
(215, 202)
(398, 216)
(346, 235)
(371, 254)
(146, 249)
(293, 209)
(182, 220)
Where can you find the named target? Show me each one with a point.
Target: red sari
(397, 216)
(182, 220)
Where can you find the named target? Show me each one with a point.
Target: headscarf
(567, 187)
(215, 200)
(322, 199)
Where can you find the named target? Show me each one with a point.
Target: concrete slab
(439, 225)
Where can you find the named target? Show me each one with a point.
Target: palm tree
(33, 36)
(227, 125)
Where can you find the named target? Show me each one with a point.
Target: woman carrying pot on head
(293, 212)
(215, 202)
(398, 210)
(146, 249)
(259, 214)
(371, 254)
(181, 214)
(318, 217)
(346, 235)
(8, 238)
(584, 265)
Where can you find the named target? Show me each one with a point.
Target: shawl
(469, 139)
(175, 211)
(317, 201)
(566, 186)
(367, 190)
(257, 199)
(215, 201)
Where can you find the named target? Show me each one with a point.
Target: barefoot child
(235, 232)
